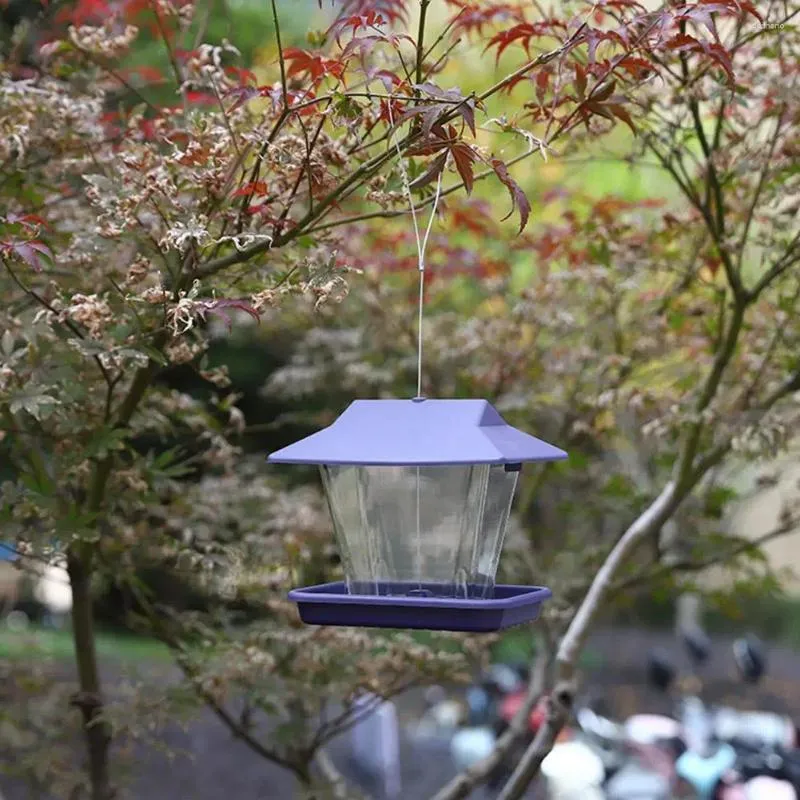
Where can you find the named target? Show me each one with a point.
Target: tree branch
(647, 524)
(418, 206)
(780, 266)
(158, 619)
(102, 472)
(281, 61)
(464, 783)
(423, 12)
(364, 172)
(335, 780)
(762, 179)
(540, 60)
(688, 473)
(786, 527)
(67, 323)
(559, 708)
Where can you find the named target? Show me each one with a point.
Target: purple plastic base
(330, 604)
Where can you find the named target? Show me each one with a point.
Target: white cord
(422, 243)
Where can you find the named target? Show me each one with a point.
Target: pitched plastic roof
(418, 432)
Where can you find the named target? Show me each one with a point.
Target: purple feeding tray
(420, 493)
(330, 604)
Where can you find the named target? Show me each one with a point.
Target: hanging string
(422, 245)
(422, 242)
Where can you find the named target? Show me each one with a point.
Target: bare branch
(281, 61)
(423, 12)
(788, 525)
(464, 783)
(559, 707)
(646, 524)
(762, 179)
(790, 257)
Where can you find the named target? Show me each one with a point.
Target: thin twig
(67, 323)
(762, 179)
(423, 12)
(281, 62)
(688, 565)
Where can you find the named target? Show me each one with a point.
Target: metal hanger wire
(422, 241)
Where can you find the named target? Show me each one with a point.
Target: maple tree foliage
(134, 230)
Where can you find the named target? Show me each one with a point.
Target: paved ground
(220, 767)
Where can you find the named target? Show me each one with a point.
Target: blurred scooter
(574, 771)
(637, 762)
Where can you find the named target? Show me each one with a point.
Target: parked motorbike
(698, 753)
(636, 757)
(694, 752)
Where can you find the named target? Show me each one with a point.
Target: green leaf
(618, 486)
(675, 319)
(77, 525)
(577, 460)
(716, 500)
(37, 404)
(154, 355)
(600, 252)
(40, 485)
(106, 440)
(346, 108)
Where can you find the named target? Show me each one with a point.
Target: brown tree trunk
(89, 697)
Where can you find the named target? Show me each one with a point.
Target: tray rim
(322, 594)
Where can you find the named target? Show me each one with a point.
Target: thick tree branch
(646, 524)
(89, 698)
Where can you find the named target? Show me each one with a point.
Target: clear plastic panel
(428, 531)
(502, 484)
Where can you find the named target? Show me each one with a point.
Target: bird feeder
(420, 494)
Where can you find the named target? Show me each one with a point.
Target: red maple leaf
(316, 65)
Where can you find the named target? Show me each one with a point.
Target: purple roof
(418, 432)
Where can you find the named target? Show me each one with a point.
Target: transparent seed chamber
(424, 531)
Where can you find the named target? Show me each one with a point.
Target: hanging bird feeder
(420, 493)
